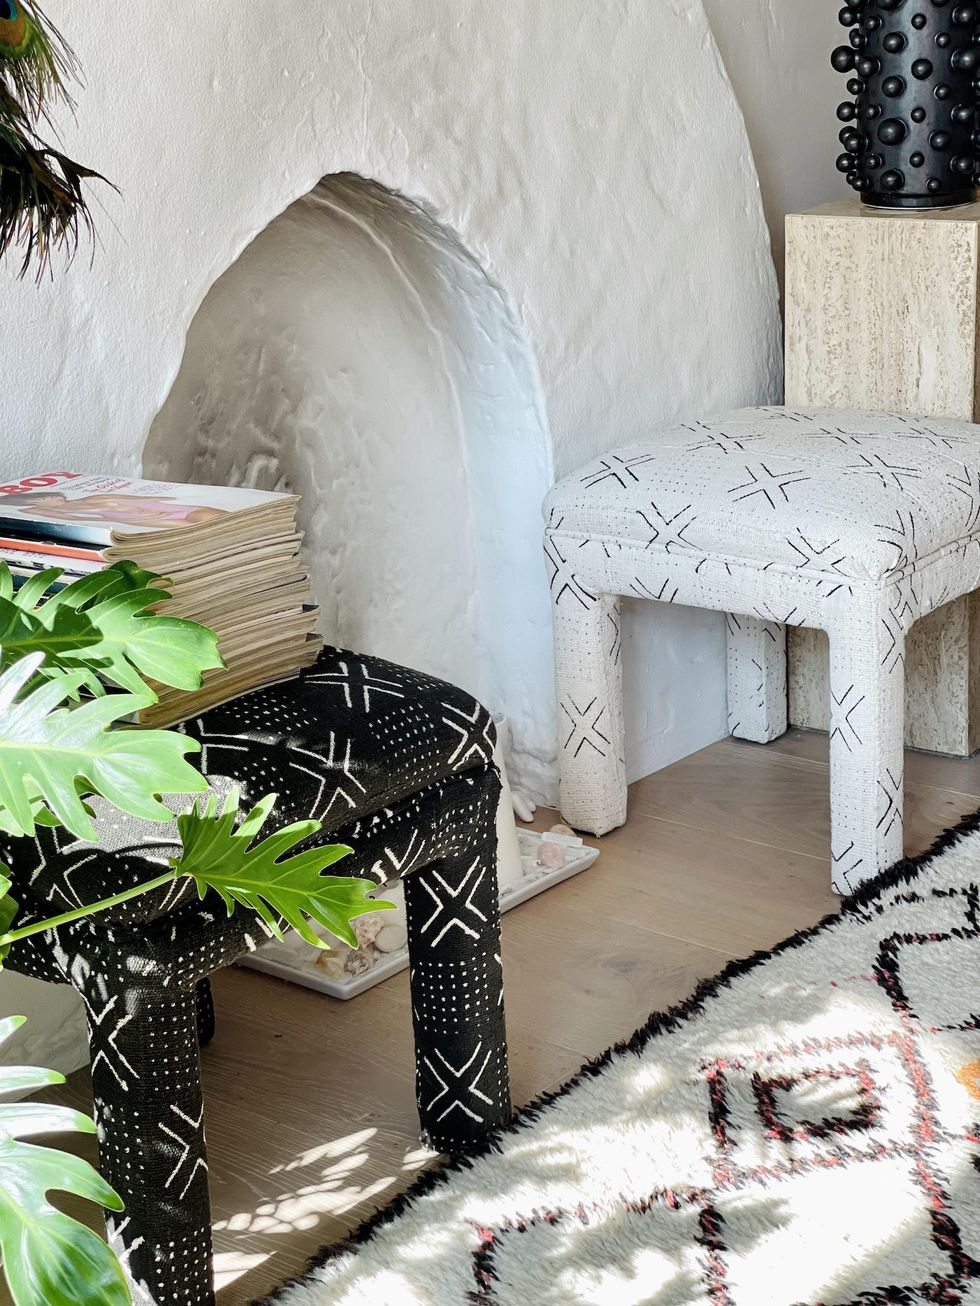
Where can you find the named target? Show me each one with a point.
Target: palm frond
(38, 63)
(43, 206)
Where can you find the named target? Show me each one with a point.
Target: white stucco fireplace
(356, 354)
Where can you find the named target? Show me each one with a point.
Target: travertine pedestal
(882, 312)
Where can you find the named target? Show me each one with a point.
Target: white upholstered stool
(857, 523)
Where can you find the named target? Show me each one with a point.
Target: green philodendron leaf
(9, 1024)
(48, 1258)
(32, 589)
(119, 578)
(101, 625)
(261, 877)
(49, 752)
(27, 1079)
(41, 814)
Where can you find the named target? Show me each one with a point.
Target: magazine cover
(72, 506)
(18, 553)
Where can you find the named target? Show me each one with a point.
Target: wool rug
(804, 1129)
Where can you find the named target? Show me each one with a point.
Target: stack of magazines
(229, 557)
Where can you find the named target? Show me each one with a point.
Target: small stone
(551, 855)
(331, 964)
(391, 937)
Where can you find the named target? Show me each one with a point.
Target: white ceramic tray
(534, 881)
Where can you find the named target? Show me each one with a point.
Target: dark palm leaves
(42, 203)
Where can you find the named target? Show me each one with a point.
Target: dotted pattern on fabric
(852, 522)
(396, 764)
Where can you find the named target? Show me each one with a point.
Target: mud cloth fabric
(393, 762)
(857, 523)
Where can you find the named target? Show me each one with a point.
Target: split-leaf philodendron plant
(75, 664)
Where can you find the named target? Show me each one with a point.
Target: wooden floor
(310, 1112)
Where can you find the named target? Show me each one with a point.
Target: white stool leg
(756, 678)
(867, 729)
(588, 667)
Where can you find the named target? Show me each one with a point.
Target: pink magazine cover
(73, 506)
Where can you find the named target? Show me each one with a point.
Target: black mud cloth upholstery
(395, 763)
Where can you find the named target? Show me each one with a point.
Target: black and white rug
(803, 1130)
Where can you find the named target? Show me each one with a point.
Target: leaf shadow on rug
(801, 1130)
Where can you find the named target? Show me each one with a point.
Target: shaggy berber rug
(804, 1129)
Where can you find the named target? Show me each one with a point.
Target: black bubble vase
(911, 134)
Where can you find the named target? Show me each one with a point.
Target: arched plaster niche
(357, 355)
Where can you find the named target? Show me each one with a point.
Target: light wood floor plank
(959, 774)
(790, 803)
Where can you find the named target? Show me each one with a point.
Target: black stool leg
(148, 1106)
(457, 989)
(205, 1013)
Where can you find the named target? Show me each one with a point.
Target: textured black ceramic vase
(910, 134)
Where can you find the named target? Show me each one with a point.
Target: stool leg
(150, 1115)
(756, 678)
(453, 914)
(867, 728)
(205, 1012)
(591, 735)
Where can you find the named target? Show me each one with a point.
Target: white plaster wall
(777, 56)
(594, 164)
(598, 171)
(777, 53)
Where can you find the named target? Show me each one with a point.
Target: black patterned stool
(394, 763)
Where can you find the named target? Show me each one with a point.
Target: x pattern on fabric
(852, 522)
(396, 764)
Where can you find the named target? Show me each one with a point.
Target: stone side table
(882, 312)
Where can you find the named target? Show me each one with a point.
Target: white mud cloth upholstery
(857, 523)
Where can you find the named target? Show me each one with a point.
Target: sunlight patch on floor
(329, 1194)
(229, 1266)
(336, 1147)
